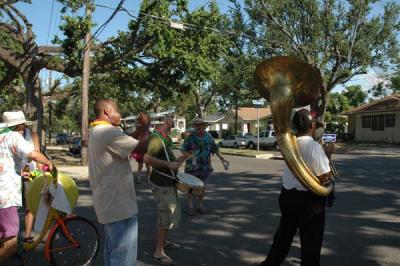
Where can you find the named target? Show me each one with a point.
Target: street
(362, 228)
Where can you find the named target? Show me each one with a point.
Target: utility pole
(258, 130)
(50, 105)
(85, 89)
(258, 104)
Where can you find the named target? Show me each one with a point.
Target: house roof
(250, 113)
(213, 118)
(388, 103)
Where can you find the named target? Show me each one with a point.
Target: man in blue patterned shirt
(199, 146)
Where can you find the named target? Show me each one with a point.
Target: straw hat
(198, 120)
(15, 118)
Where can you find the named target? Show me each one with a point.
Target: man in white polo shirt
(301, 209)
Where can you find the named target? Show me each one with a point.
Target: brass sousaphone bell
(289, 83)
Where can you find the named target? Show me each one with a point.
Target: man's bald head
(107, 110)
(101, 105)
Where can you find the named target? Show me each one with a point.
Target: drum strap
(164, 174)
(167, 156)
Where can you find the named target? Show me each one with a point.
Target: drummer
(198, 147)
(160, 156)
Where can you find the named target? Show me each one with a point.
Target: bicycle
(70, 239)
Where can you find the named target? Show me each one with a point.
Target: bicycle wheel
(62, 251)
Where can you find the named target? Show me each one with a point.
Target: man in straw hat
(199, 145)
(12, 144)
(16, 121)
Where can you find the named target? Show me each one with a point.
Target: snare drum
(189, 184)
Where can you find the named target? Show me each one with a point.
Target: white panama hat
(15, 118)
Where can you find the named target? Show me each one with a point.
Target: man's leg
(28, 224)
(287, 229)
(161, 239)
(9, 226)
(148, 169)
(121, 242)
(311, 235)
(139, 172)
(190, 204)
(8, 247)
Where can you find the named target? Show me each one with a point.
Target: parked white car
(267, 140)
(234, 141)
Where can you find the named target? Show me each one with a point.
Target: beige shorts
(168, 208)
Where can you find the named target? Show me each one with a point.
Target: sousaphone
(289, 83)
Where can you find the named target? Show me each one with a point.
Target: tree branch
(10, 75)
(7, 56)
(286, 31)
(12, 32)
(49, 49)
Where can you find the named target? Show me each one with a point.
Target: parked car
(251, 140)
(267, 140)
(62, 138)
(233, 141)
(75, 145)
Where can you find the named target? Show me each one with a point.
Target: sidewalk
(76, 172)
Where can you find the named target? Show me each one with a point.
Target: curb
(257, 156)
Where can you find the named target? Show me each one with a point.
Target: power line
(104, 25)
(51, 18)
(187, 25)
(57, 20)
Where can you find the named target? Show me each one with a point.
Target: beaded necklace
(167, 140)
(4, 130)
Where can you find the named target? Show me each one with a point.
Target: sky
(45, 25)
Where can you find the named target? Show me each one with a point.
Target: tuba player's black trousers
(301, 210)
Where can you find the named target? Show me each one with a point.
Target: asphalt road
(363, 227)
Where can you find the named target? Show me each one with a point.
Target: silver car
(234, 141)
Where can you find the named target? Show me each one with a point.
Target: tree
(379, 90)
(340, 102)
(355, 95)
(235, 81)
(340, 38)
(202, 53)
(22, 56)
(395, 83)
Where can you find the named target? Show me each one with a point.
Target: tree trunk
(324, 99)
(33, 102)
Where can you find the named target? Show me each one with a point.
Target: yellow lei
(99, 122)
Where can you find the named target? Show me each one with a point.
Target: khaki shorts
(168, 208)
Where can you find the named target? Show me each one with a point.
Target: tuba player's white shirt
(315, 158)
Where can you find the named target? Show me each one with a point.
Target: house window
(390, 120)
(366, 121)
(378, 122)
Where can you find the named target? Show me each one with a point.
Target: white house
(376, 121)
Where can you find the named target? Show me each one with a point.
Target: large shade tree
(126, 54)
(341, 38)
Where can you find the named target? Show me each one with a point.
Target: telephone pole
(85, 89)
